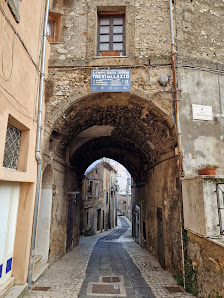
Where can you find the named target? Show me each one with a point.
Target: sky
(122, 173)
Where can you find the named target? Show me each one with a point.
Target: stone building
(162, 130)
(98, 199)
(21, 48)
(124, 204)
(167, 123)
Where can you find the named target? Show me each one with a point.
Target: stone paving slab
(111, 256)
(66, 276)
(155, 276)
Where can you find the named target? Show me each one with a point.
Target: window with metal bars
(12, 147)
(111, 35)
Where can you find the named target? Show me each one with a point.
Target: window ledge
(218, 240)
(55, 42)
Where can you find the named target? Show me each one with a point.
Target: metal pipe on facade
(38, 142)
(178, 131)
(221, 106)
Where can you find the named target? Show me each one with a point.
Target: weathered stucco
(202, 139)
(200, 205)
(19, 88)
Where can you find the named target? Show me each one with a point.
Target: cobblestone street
(70, 276)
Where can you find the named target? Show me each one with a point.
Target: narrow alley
(110, 264)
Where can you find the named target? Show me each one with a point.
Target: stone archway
(136, 131)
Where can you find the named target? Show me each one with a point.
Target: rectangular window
(54, 26)
(51, 29)
(96, 190)
(111, 34)
(90, 188)
(107, 197)
(12, 147)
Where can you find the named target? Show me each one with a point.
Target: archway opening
(106, 194)
(139, 133)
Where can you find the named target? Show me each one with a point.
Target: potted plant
(208, 169)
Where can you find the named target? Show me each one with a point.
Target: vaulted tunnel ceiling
(125, 153)
(120, 126)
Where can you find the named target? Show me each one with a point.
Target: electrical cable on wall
(3, 48)
(19, 37)
(19, 104)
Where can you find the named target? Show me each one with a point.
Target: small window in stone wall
(111, 34)
(12, 147)
(107, 197)
(51, 29)
(14, 7)
(54, 27)
(96, 190)
(90, 190)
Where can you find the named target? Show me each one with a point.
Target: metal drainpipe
(221, 106)
(38, 156)
(178, 133)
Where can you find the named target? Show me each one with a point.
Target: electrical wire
(19, 110)
(19, 37)
(217, 71)
(63, 68)
(3, 49)
(12, 59)
(39, 54)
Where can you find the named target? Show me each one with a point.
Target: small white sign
(202, 112)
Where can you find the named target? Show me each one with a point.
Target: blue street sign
(110, 80)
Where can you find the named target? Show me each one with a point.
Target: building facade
(166, 126)
(124, 204)
(98, 199)
(159, 130)
(21, 45)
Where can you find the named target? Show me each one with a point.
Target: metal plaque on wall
(202, 112)
(110, 80)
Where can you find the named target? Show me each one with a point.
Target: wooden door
(98, 220)
(161, 254)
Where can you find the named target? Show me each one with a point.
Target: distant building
(124, 205)
(98, 211)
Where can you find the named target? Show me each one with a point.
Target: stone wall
(64, 181)
(140, 123)
(161, 191)
(199, 33)
(208, 261)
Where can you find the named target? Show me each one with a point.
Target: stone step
(16, 291)
(41, 267)
(37, 260)
(6, 286)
